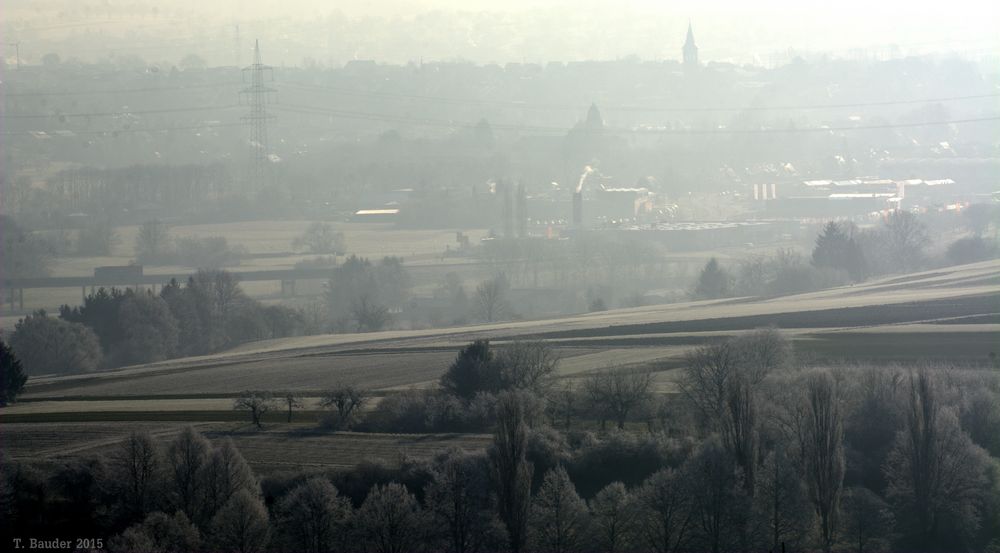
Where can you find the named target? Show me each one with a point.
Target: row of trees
(117, 327)
(752, 476)
(842, 254)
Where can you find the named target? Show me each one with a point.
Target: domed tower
(690, 50)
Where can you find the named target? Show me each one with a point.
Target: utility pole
(257, 96)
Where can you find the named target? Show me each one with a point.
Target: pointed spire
(690, 51)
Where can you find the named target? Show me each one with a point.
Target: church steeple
(690, 50)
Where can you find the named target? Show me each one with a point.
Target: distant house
(376, 215)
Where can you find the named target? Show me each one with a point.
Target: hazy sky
(725, 30)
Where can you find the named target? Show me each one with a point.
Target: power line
(130, 130)
(528, 105)
(120, 90)
(420, 121)
(116, 113)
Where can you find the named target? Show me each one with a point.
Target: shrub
(49, 345)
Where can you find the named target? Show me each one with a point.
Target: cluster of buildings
(858, 197)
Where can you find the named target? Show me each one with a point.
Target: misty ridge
(469, 277)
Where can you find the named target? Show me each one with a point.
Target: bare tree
(526, 365)
(712, 369)
(664, 508)
(558, 515)
(292, 401)
(936, 474)
(314, 517)
(139, 468)
(320, 238)
(720, 508)
(821, 443)
(616, 393)
(347, 399)
(739, 429)
(186, 457)
(390, 520)
(256, 403)
(152, 242)
(904, 240)
(761, 352)
(491, 298)
(612, 518)
(780, 502)
(369, 316)
(707, 378)
(867, 520)
(241, 525)
(458, 496)
(225, 474)
(511, 469)
(562, 405)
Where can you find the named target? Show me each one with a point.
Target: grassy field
(269, 246)
(950, 315)
(277, 447)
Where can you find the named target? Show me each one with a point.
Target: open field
(928, 319)
(947, 315)
(278, 447)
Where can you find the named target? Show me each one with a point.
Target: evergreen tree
(713, 282)
(837, 249)
(12, 377)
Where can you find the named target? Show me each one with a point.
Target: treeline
(116, 327)
(845, 254)
(754, 454)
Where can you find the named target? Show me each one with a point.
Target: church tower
(690, 50)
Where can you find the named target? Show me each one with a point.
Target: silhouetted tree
(821, 442)
(458, 497)
(836, 249)
(526, 366)
(511, 469)
(720, 508)
(138, 464)
(159, 532)
(187, 456)
(491, 298)
(713, 282)
(612, 519)
(558, 516)
(314, 517)
(241, 525)
(616, 393)
(780, 505)
(12, 377)
(936, 474)
(224, 475)
(471, 371)
(665, 510)
(48, 345)
(347, 399)
(256, 403)
(369, 316)
(390, 520)
(291, 401)
(866, 521)
(905, 238)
